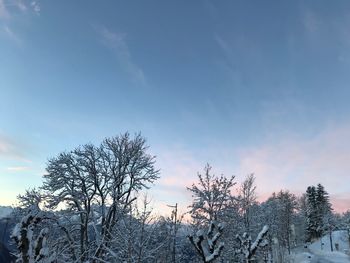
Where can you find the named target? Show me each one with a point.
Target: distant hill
(7, 223)
(5, 211)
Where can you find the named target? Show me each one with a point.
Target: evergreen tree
(318, 208)
(323, 208)
(311, 213)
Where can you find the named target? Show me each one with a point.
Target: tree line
(89, 209)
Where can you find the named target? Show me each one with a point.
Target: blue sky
(248, 86)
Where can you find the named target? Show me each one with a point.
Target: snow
(5, 211)
(16, 232)
(325, 257)
(339, 237)
(323, 254)
(260, 237)
(304, 257)
(205, 244)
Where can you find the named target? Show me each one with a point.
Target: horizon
(258, 87)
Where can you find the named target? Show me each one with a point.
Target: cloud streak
(4, 14)
(11, 149)
(18, 168)
(12, 35)
(7, 8)
(117, 43)
(36, 7)
(7, 17)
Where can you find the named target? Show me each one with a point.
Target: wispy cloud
(286, 161)
(117, 43)
(223, 45)
(18, 168)
(7, 10)
(178, 170)
(11, 35)
(4, 14)
(10, 149)
(311, 22)
(341, 202)
(20, 5)
(6, 146)
(8, 7)
(36, 7)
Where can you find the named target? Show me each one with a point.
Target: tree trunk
(330, 239)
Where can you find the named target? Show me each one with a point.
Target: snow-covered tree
(270, 213)
(248, 248)
(301, 219)
(247, 198)
(95, 185)
(31, 198)
(318, 207)
(287, 204)
(279, 211)
(211, 196)
(324, 208)
(312, 222)
(135, 237)
(32, 246)
(345, 223)
(206, 244)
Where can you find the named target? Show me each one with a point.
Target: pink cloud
(295, 163)
(178, 170)
(291, 163)
(341, 203)
(178, 167)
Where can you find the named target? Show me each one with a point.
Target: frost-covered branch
(31, 249)
(247, 248)
(205, 245)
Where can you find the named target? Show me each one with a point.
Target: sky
(247, 86)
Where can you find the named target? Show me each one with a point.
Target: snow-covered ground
(5, 211)
(320, 250)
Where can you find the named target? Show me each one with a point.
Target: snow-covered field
(320, 250)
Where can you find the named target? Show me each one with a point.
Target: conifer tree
(318, 209)
(311, 213)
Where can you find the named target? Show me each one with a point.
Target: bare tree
(247, 198)
(212, 195)
(134, 240)
(96, 184)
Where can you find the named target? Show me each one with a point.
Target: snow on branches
(211, 196)
(31, 249)
(206, 244)
(247, 248)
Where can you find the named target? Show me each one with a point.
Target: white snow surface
(315, 253)
(339, 237)
(5, 211)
